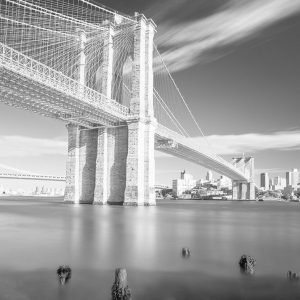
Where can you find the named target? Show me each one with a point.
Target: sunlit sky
(236, 62)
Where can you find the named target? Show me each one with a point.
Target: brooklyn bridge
(101, 73)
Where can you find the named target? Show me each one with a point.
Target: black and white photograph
(149, 149)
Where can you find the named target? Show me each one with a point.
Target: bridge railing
(32, 177)
(33, 69)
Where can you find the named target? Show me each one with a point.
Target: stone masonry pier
(115, 165)
(244, 190)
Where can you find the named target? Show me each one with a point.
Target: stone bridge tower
(244, 190)
(115, 165)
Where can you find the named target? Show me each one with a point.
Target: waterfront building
(37, 190)
(184, 184)
(288, 191)
(283, 182)
(288, 176)
(264, 181)
(279, 183)
(224, 182)
(277, 180)
(200, 182)
(44, 190)
(292, 178)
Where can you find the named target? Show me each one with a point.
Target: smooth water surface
(39, 234)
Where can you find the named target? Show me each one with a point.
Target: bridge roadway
(174, 144)
(30, 85)
(50, 178)
(32, 177)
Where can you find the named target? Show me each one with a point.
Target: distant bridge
(32, 177)
(51, 178)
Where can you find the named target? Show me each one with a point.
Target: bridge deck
(171, 143)
(30, 85)
(31, 177)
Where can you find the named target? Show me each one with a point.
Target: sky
(237, 63)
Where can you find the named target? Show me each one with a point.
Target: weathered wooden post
(120, 289)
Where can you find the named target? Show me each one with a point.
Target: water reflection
(37, 237)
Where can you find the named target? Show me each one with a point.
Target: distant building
(264, 181)
(283, 182)
(224, 182)
(288, 176)
(277, 180)
(37, 190)
(185, 183)
(200, 182)
(295, 178)
(209, 176)
(279, 183)
(288, 191)
(292, 178)
(44, 190)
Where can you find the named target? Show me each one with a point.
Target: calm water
(37, 235)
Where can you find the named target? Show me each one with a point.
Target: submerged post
(120, 289)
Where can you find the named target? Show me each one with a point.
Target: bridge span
(100, 72)
(32, 177)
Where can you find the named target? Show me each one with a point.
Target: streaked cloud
(188, 43)
(22, 146)
(250, 142)
(161, 10)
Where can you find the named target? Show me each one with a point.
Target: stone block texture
(244, 190)
(111, 165)
(81, 165)
(116, 164)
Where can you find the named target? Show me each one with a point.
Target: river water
(39, 234)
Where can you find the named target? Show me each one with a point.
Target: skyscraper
(264, 181)
(279, 183)
(288, 176)
(209, 176)
(295, 178)
(292, 178)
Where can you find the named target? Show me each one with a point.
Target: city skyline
(243, 91)
(291, 179)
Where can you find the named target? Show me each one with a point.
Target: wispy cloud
(250, 142)
(22, 146)
(187, 43)
(160, 10)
